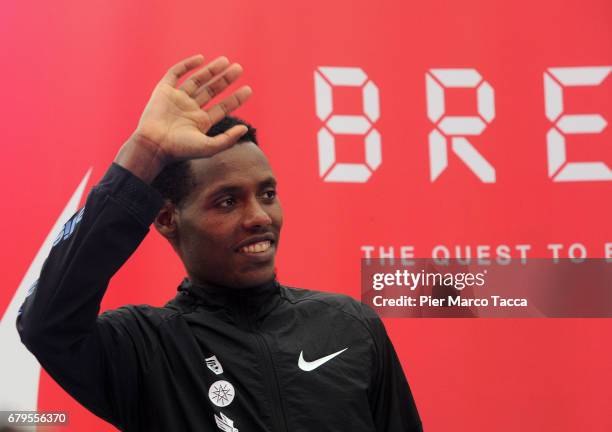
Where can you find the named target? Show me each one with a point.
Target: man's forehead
(242, 163)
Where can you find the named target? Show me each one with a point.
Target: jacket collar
(250, 300)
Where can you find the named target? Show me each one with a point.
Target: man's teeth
(261, 246)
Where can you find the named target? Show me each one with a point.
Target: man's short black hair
(174, 182)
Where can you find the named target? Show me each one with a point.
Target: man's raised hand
(174, 123)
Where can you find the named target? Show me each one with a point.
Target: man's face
(228, 228)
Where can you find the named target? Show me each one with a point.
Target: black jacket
(270, 358)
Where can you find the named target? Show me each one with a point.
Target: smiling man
(222, 215)
(234, 350)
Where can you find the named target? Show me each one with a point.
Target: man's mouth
(259, 247)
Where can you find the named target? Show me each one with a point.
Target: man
(234, 350)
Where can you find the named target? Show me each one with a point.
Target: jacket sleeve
(96, 359)
(391, 402)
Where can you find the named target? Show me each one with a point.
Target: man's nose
(256, 215)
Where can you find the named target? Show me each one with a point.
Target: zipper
(278, 414)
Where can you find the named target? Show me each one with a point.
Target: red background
(76, 75)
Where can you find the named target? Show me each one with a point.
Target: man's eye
(271, 194)
(228, 202)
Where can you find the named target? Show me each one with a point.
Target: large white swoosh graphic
(312, 365)
(19, 369)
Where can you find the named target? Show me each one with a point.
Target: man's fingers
(181, 68)
(229, 104)
(201, 145)
(216, 86)
(203, 76)
(227, 139)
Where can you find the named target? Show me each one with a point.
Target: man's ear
(165, 221)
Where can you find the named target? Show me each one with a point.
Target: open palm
(174, 120)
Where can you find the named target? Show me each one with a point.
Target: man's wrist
(141, 157)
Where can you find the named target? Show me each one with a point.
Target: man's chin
(255, 277)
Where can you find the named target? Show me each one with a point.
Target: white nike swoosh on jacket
(312, 365)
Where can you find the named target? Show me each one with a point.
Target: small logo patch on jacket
(221, 393)
(225, 423)
(214, 365)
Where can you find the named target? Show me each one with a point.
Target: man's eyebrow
(229, 189)
(223, 190)
(270, 181)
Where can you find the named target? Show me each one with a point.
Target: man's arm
(98, 359)
(94, 359)
(393, 407)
